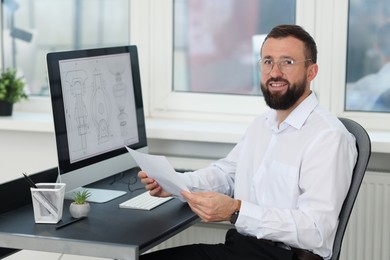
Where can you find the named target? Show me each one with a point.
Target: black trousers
(236, 247)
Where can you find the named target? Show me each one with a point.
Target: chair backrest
(363, 144)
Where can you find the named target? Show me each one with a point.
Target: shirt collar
(298, 116)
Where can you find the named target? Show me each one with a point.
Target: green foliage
(11, 87)
(81, 197)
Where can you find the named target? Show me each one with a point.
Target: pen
(29, 181)
(70, 222)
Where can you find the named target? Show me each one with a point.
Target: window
(368, 53)
(32, 28)
(217, 43)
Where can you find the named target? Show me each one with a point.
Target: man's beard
(283, 101)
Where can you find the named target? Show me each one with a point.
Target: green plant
(11, 87)
(80, 197)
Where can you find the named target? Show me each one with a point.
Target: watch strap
(234, 216)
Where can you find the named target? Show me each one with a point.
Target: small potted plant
(12, 90)
(80, 206)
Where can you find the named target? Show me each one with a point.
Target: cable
(131, 183)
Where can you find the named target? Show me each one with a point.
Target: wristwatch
(234, 216)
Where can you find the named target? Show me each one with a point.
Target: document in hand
(159, 168)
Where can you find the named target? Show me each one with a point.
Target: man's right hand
(152, 186)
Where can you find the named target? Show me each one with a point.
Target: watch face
(234, 217)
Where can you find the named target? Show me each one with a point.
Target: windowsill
(170, 129)
(195, 130)
(28, 122)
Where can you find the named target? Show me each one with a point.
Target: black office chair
(363, 144)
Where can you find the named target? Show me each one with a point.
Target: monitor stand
(97, 195)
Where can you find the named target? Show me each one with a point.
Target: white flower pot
(79, 210)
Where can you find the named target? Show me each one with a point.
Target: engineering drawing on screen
(97, 92)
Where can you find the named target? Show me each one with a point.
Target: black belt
(299, 254)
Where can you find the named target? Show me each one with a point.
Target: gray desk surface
(107, 232)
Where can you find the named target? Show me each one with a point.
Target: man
(284, 183)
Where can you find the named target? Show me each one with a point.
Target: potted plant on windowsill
(80, 206)
(12, 90)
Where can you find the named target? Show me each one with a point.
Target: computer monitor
(97, 110)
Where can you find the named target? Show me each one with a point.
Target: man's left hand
(211, 206)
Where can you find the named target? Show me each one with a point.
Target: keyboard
(144, 201)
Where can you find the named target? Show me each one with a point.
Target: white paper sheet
(159, 168)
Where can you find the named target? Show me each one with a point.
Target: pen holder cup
(48, 202)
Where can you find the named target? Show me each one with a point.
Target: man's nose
(275, 71)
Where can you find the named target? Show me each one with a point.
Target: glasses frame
(285, 68)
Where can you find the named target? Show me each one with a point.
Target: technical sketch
(76, 80)
(98, 102)
(100, 107)
(119, 91)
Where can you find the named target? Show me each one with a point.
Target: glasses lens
(265, 66)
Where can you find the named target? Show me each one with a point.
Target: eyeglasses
(284, 65)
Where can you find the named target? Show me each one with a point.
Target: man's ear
(312, 71)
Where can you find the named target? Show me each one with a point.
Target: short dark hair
(296, 31)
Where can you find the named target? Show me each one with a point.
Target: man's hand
(211, 206)
(152, 186)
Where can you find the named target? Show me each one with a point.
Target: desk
(108, 231)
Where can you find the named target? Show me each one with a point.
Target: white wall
(28, 152)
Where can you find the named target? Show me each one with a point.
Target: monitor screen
(97, 110)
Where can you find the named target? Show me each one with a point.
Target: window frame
(163, 102)
(371, 121)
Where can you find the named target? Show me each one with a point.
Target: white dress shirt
(292, 179)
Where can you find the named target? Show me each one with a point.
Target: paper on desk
(158, 168)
